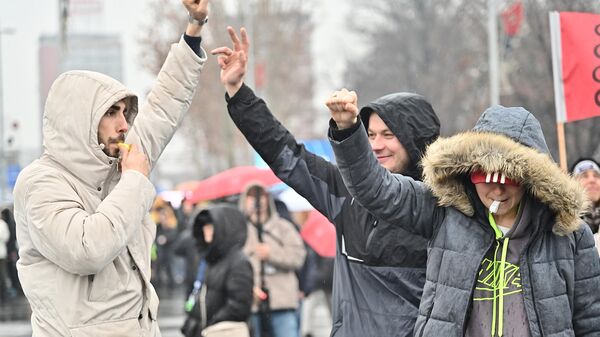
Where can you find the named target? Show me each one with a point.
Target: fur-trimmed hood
(507, 140)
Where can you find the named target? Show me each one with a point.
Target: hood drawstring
(499, 287)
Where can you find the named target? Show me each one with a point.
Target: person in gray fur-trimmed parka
(508, 253)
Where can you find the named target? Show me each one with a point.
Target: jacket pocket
(106, 282)
(125, 328)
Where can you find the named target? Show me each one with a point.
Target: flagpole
(562, 148)
(559, 94)
(493, 52)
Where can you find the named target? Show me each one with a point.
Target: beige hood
(76, 102)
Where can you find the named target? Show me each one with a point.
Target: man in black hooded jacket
(379, 268)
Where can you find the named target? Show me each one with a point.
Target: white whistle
(494, 206)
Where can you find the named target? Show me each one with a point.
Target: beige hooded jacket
(286, 255)
(83, 227)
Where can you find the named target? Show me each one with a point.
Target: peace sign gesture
(233, 62)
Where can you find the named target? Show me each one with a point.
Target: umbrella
(319, 234)
(230, 182)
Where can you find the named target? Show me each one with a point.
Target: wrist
(193, 30)
(232, 89)
(346, 124)
(195, 25)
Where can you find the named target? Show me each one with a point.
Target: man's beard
(112, 140)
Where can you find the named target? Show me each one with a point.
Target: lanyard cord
(500, 284)
(191, 301)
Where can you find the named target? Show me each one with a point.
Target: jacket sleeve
(586, 308)
(240, 281)
(391, 197)
(311, 176)
(79, 241)
(290, 252)
(168, 101)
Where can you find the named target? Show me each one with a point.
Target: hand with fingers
(233, 62)
(198, 12)
(133, 159)
(343, 106)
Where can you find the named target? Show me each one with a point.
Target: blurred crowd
(297, 279)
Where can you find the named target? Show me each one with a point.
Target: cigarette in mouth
(494, 206)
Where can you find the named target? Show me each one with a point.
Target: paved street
(14, 315)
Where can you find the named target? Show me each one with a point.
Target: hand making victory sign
(233, 62)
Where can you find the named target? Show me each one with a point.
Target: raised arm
(391, 197)
(172, 93)
(311, 176)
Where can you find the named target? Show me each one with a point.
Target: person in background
(12, 253)
(167, 233)
(587, 172)
(81, 209)
(276, 251)
(4, 236)
(221, 296)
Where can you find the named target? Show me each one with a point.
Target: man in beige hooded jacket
(82, 209)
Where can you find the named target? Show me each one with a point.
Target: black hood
(412, 120)
(230, 230)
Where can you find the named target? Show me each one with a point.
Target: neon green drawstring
(500, 284)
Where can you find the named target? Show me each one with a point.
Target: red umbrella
(230, 182)
(319, 234)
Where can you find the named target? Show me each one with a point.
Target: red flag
(576, 56)
(512, 17)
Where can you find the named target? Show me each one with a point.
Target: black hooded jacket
(228, 276)
(379, 268)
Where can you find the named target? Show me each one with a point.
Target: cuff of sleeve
(141, 182)
(340, 135)
(184, 48)
(353, 148)
(242, 95)
(193, 42)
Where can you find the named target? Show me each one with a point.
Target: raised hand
(343, 106)
(133, 159)
(198, 10)
(233, 62)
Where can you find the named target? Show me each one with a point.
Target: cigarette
(494, 206)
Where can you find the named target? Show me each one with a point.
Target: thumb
(124, 151)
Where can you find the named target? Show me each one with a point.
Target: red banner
(580, 47)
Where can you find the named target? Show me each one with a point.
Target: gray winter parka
(560, 268)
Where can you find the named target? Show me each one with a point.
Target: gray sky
(28, 20)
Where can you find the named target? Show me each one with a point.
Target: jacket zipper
(428, 314)
(106, 183)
